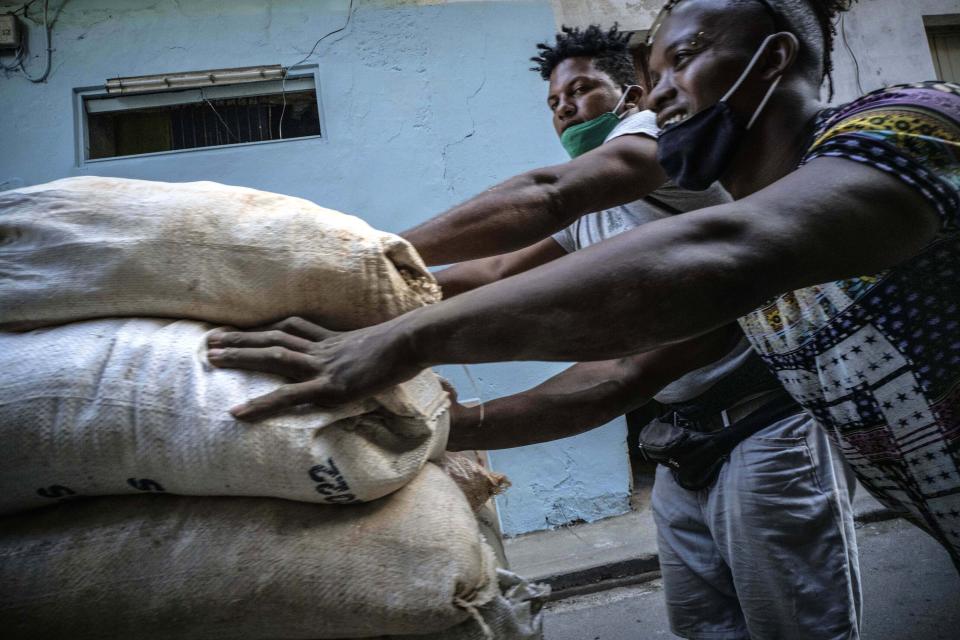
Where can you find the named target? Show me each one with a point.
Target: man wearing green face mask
(611, 184)
(577, 139)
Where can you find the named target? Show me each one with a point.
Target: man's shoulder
(642, 122)
(915, 123)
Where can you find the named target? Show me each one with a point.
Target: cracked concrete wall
(424, 105)
(889, 41)
(632, 15)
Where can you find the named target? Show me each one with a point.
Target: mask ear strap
(746, 72)
(763, 103)
(623, 99)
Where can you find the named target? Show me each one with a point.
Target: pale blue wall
(424, 104)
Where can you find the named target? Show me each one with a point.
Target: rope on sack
(475, 614)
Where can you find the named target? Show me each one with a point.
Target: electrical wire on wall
(219, 117)
(856, 63)
(18, 56)
(283, 79)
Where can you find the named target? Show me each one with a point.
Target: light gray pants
(769, 552)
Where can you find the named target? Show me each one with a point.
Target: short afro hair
(608, 49)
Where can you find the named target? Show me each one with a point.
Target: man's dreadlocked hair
(608, 49)
(814, 24)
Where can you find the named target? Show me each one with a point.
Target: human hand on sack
(329, 367)
(463, 420)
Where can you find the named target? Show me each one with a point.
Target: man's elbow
(733, 236)
(543, 187)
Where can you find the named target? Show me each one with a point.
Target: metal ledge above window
(197, 110)
(193, 79)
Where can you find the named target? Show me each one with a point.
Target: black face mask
(695, 153)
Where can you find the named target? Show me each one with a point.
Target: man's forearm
(537, 416)
(464, 277)
(530, 207)
(585, 396)
(473, 274)
(604, 302)
(510, 216)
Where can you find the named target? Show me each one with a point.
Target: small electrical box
(9, 31)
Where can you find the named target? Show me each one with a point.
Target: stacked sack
(92, 247)
(110, 285)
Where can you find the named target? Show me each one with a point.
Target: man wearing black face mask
(839, 257)
(698, 149)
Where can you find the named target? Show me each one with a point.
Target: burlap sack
(171, 567)
(92, 247)
(477, 482)
(107, 407)
(515, 614)
(489, 526)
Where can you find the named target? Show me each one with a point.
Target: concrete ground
(911, 592)
(606, 582)
(573, 557)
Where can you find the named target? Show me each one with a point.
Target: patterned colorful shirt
(876, 359)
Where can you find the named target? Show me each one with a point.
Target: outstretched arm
(664, 282)
(682, 276)
(533, 205)
(472, 274)
(583, 397)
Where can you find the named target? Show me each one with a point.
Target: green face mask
(589, 135)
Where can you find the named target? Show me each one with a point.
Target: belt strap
(663, 206)
(732, 415)
(696, 458)
(782, 407)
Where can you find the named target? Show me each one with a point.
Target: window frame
(937, 25)
(82, 94)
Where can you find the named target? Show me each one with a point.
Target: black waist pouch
(695, 457)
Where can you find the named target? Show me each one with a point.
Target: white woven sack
(173, 567)
(116, 406)
(92, 247)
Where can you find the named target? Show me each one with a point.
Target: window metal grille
(201, 118)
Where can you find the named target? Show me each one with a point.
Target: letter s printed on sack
(145, 484)
(56, 491)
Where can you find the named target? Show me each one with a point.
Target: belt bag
(695, 457)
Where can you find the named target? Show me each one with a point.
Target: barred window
(197, 118)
